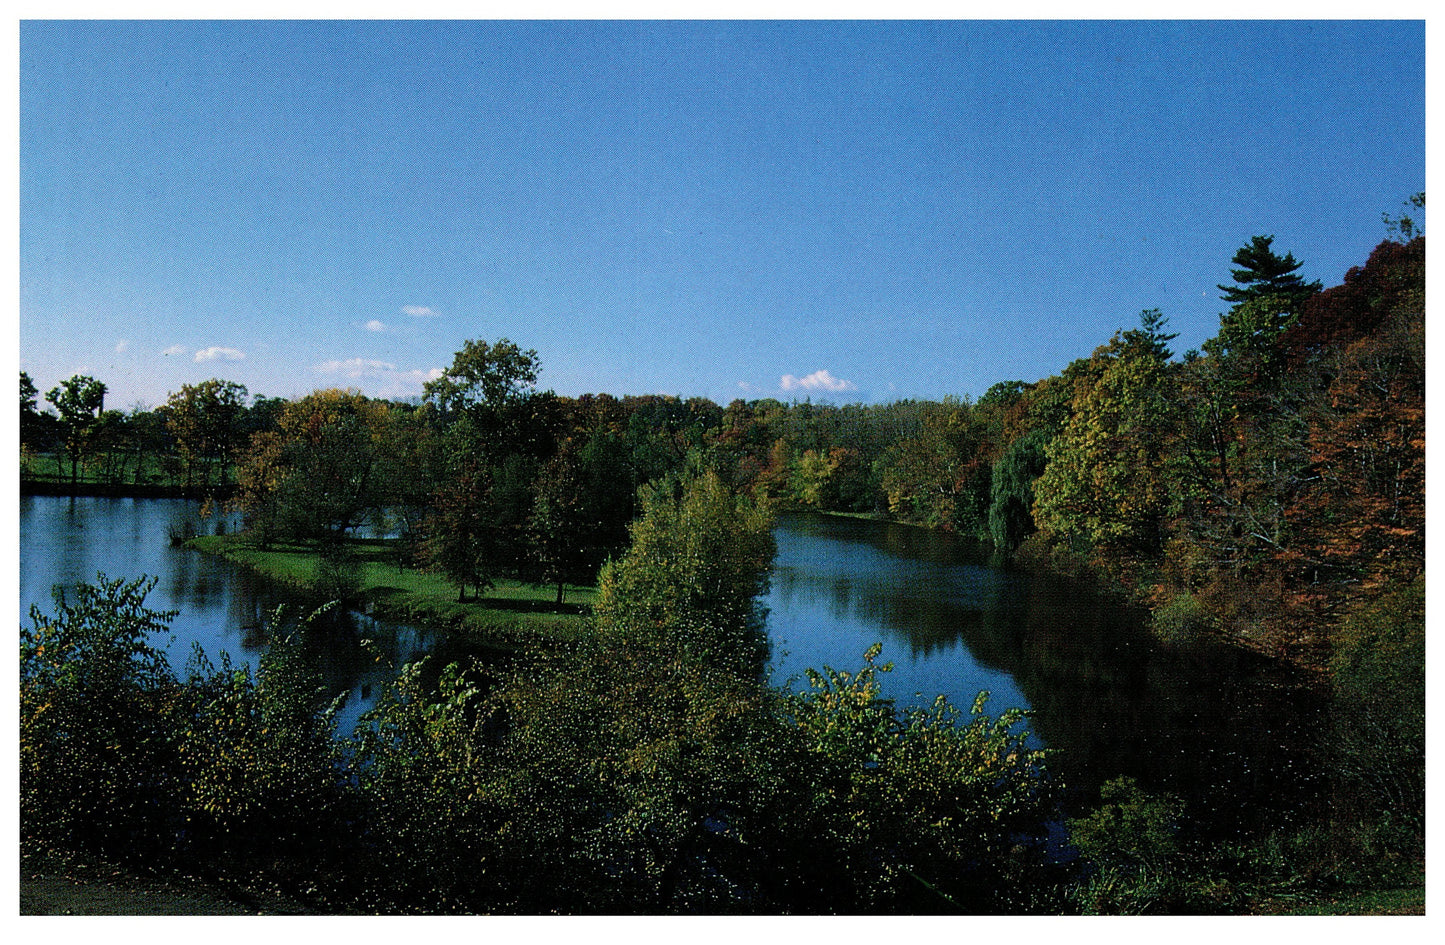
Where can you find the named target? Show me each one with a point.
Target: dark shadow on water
(1230, 731)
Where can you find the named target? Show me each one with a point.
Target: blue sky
(848, 211)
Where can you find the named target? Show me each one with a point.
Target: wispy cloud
(375, 325)
(215, 353)
(122, 346)
(385, 379)
(176, 350)
(818, 381)
(357, 367)
(419, 311)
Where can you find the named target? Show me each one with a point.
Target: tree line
(1261, 488)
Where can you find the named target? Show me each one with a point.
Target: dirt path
(55, 887)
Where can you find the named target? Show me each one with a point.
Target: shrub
(98, 769)
(1130, 846)
(1378, 675)
(1182, 619)
(261, 764)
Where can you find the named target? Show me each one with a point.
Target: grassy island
(372, 579)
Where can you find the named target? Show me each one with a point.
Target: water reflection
(840, 585)
(221, 608)
(1230, 731)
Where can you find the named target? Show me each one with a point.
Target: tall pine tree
(1262, 272)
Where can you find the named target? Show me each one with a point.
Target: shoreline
(512, 617)
(123, 490)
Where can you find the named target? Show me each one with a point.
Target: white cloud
(375, 325)
(818, 380)
(419, 311)
(357, 367)
(383, 379)
(121, 346)
(176, 349)
(215, 353)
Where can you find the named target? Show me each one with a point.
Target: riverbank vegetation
(1266, 491)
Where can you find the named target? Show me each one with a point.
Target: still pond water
(221, 607)
(1229, 731)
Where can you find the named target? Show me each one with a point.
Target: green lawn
(511, 612)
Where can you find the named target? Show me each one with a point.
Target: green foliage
(615, 780)
(1132, 828)
(922, 808)
(1378, 673)
(120, 758)
(422, 774)
(96, 755)
(205, 420)
(1320, 861)
(699, 558)
(1011, 493)
(940, 475)
(558, 526)
(484, 374)
(1253, 329)
(318, 474)
(258, 755)
(1131, 844)
(1106, 482)
(31, 421)
(1263, 272)
(460, 537)
(80, 401)
(1181, 619)
(28, 394)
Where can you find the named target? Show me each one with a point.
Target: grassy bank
(510, 613)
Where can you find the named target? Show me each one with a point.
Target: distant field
(111, 471)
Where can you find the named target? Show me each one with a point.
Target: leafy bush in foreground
(606, 779)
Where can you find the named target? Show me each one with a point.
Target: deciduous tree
(1105, 482)
(460, 537)
(80, 401)
(699, 559)
(314, 478)
(206, 421)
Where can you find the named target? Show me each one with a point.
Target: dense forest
(1267, 490)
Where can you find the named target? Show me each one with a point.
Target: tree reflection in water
(1231, 732)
